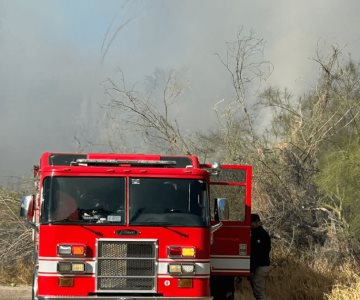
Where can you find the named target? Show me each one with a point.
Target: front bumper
(122, 298)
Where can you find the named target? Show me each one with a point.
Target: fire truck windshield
(174, 202)
(83, 199)
(152, 201)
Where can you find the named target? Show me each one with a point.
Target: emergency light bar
(116, 162)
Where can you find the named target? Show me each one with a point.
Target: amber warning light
(175, 251)
(71, 250)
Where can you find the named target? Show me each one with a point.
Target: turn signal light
(78, 250)
(174, 251)
(71, 250)
(181, 251)
(188, 252)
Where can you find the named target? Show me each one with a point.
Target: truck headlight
(78, 267)
(181, 269)
(70, 267)
(174, 268)
(64, 267)
(188, 269)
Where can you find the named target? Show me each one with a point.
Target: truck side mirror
(27, 208)
(222, 212)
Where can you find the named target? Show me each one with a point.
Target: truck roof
(90, 163)
(68, 159)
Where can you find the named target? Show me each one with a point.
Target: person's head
(255, 221)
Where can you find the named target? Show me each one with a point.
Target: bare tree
(303, 130)
(149, 112)
(245, 64)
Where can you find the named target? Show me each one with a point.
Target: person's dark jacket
(260, 248)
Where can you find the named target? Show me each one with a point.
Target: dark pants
(258, 281)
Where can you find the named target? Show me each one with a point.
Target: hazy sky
(52, 66)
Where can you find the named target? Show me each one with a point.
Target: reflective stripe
(200, 268)
(50, 266)
(230, 263)
(57, 258)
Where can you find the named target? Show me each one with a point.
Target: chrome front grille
(126, 265)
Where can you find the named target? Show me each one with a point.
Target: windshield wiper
(92, 230)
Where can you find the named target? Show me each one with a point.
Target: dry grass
(293, 278)
(346, 292)
(17, 273)
(348, 286)
(16, 245)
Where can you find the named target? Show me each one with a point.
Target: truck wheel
(34, 290)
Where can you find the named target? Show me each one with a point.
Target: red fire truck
(135, 226)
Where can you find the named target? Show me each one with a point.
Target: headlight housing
(181, 269)
(70, 267)
(71, 250)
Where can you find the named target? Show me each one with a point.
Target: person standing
(259, 258)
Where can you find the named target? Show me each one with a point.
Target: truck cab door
(230, 249)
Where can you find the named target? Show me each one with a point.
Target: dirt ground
(15, 293)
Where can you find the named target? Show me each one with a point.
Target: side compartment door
(230, 249)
